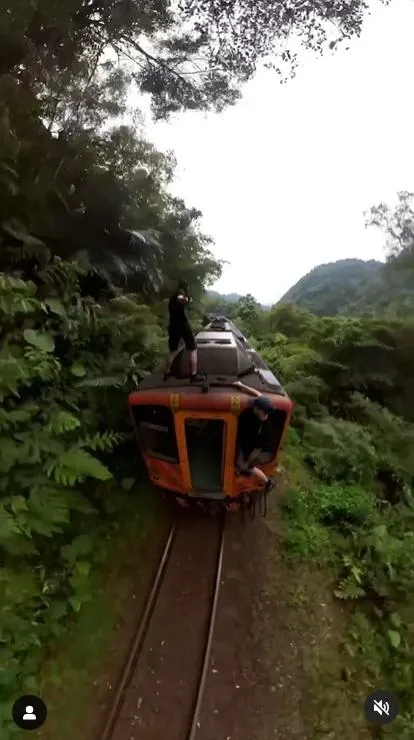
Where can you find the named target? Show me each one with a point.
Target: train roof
(224, 356)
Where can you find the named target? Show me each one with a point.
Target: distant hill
(353, 286)
(335, 287)
(229, 297)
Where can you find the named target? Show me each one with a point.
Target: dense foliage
(66, 364)
(91, 242)
(349, 505)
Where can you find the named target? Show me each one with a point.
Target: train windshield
(156, 431)
(204, 438)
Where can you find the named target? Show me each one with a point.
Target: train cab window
(204, 438)
(272, 436)
(275, 426)
(156, 431)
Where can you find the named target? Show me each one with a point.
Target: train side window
(276, 425)
(156, 431)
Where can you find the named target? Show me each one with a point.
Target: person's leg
(191, 347)
(173, 346)
(260, 475)
(193, 362)
(242, 464)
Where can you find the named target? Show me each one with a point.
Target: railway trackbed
(160, 690)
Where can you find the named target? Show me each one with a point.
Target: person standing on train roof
(179, 329)
(253, 427)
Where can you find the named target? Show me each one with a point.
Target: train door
(204, 440)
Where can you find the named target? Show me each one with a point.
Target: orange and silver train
(187, 432)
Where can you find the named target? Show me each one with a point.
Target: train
(188, 432)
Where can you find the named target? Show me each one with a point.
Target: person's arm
(181, 298)
(246, 388)
(254, 454)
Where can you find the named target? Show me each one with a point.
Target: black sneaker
(196, 378)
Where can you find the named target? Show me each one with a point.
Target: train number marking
(235, 403)
(174, 400)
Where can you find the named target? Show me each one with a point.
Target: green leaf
(55, 306)
(79, 464)
(78, 370)
(394, 638)
(8, 526)
(80, 546)
(18, 504)
(50, 505)
(127, 483)
(30, 683)
(23, 236)
(380, 531)
(83, 567)
(62, 422)
(75, 604)
(107, 381)
(40, 340)
(395, 620)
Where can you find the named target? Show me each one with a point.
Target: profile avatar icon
(29, 713)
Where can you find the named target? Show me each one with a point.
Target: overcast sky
(284, 177)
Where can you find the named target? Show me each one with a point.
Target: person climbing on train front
(179, 329)
(253, 427)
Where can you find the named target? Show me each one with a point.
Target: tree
(249, 315)
(290, 320)
(194, 56)
(102, 200)
(398, 225)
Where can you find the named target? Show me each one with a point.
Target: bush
(340, 506)
(340, 450)
(66, 365)
(312, 512)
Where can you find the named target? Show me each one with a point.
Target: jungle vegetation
(91, 242)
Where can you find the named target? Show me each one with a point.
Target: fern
(37, 251)
(13, 418)
(75, 465)
(63, 276)
(50, 504)
(110, 381)
(8, 525)
(349, 589)
(63, 422)
(56, 351)
(102, 442)
(13, 372)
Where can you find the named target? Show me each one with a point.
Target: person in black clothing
(252, 432)
(179, 329)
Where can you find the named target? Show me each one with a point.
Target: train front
(188, 433)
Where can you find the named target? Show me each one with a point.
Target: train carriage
(187, 432)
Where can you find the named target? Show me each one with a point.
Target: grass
(70, 675)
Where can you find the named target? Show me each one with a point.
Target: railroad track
(160, 690)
